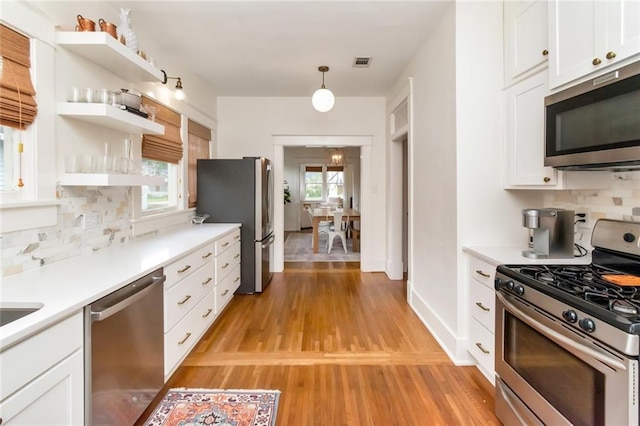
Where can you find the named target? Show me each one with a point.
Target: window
(322, 183)
(162, 197)
(313, 183)
(199, 137)
(161, 156)
(8, 178)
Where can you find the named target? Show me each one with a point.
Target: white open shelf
(109, 116)
(105, 179)
(99, 47)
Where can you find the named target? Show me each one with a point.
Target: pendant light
(323, 99)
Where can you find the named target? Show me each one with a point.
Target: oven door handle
(559, 338)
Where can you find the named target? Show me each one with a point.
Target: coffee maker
(552, 233)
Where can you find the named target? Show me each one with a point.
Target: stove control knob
(519, 290)
(509, 284)
(629, 237)
(570, 316)
(587, 325)
(497, 283)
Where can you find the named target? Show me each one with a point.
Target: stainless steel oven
(568, 336)
(564, 376)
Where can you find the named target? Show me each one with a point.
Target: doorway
(323, 180)
(364, 144)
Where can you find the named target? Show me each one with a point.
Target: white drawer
(482, 347)
(181, 298)
(39, 353)
(224, 290)
(187, 265)
(482, 304)
(227, 261)
(181, 338)
(225, 243)
(482, 271)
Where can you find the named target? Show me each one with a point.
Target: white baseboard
(454, 347)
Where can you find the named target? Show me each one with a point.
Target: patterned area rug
(216, 407)
(297, 248)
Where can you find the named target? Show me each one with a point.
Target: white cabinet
(524, 134)
(588, 36)
(48, 388)
(482, 315)
(188, 286)
(197, 288)
(526, 46)
(524, 143)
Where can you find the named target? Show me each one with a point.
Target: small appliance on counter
(552, 231)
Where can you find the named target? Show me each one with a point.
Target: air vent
(361, 61)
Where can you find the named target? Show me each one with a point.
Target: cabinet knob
(545, 52)
(611, 55)
(596, 61)
(546, 179)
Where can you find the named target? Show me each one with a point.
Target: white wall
(247, 127)
(457, 195)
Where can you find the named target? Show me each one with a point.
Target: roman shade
(18, 108)
(168, 146)
(198, 146)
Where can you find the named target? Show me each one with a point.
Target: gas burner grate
(586, 282)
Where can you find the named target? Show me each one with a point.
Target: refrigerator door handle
(266, 243)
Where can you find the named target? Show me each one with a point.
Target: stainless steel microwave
(595, 125)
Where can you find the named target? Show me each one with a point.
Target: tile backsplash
(620, 201)
(23, 250)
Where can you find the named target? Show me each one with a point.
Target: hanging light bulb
(179, 93)
(323, 100)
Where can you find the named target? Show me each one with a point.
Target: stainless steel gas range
(568, 336)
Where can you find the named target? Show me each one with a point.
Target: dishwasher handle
(120, 299)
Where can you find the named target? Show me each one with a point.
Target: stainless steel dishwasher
(124, 357)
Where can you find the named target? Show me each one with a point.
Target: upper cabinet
(526, 41)
(588, 36)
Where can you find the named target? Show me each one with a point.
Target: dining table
(326, 214)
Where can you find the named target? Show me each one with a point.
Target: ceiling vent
(361, 61)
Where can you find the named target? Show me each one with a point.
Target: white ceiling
(274, 48)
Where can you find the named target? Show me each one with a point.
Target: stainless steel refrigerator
(241, 191)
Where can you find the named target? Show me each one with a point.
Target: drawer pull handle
(207, 281)
(482, 274)
(184, 269)
(225, 292)
(183, 301)
(484, 351)
(206, 255)
(481, 306)
(236, 237)
(225, 244)
(187, 337)
(236, 280)
(225, 265)
(236, 256)
(208, 313)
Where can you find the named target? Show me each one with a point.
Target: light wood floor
(343, 347)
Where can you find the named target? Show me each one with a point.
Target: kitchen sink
(10, 312)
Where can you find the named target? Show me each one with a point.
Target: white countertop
(499, 255)
(66, 286)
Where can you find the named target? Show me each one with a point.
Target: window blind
(168, 146)
(18, 108)
(198, 143)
